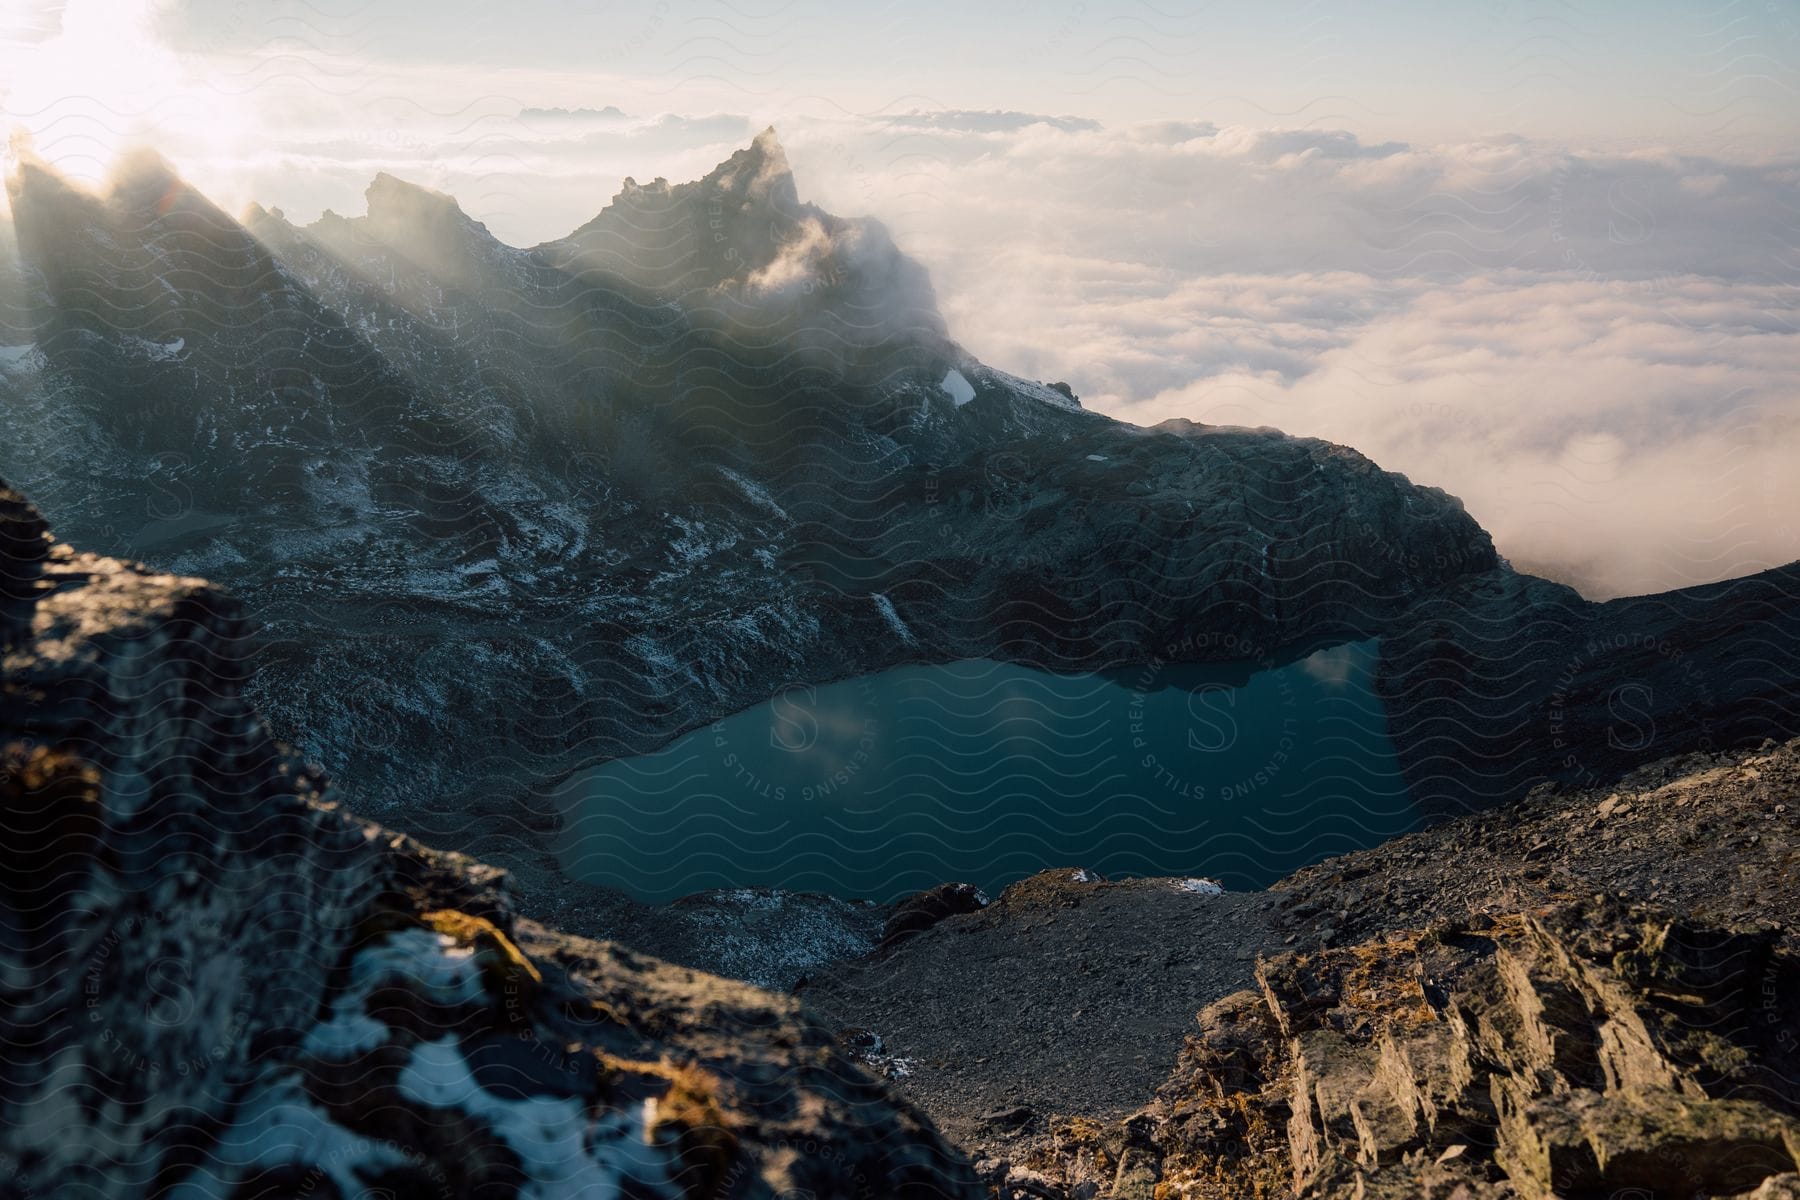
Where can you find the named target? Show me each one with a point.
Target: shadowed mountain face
(15, 326)
(506, 513)
(1502, 681)
(550, 507)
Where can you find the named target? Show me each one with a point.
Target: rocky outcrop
(217, 982)
(1664, 902)
(24, 544)
(1592, 1049)
(915, 914)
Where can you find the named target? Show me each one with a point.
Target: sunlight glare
(105, 83)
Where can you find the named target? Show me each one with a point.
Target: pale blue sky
(1592, 71)
(233, 89)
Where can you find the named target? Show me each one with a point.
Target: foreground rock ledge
(1330, 1006)
(215, 982)
(1595, 1048)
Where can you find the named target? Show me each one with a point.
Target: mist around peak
(739, 246)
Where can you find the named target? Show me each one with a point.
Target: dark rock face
(555, 506)
(1501, 681)
(214, 981)
(24, 544)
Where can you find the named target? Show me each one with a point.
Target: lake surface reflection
(986, 772)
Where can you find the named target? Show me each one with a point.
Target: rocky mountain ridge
(555, 506)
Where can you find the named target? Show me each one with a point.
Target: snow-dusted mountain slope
(502, 512)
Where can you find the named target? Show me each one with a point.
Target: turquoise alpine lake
(986, 772)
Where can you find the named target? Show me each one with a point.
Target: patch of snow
(432, 963)
(345, 1036)
(1203, 887)
(563, 1148)
(695, 543)
(550, 1136)
(15, 356)
(281, 1127)
(958, 388)
(886, 608)
(755, 493)
(1033, 390)
(652, 652)
(894, 1066)
(156, 351)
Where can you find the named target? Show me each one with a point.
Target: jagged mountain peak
(141, 192)
(422, 225)
(759, 173)
(740, 244)
(135, 257)
(35, 184)
(144, 172)
(412, 217)
(390, 197)
(727, 224)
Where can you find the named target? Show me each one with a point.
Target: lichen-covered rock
(215, 982)
(1589, 1049)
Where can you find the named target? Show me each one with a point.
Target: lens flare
(103, 81)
